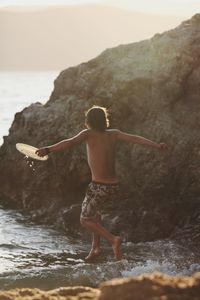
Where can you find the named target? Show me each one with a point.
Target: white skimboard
(29, 151)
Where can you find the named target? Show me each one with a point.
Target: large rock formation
(155, 286)
(152, 89)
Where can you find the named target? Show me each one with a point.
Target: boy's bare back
(101, 155)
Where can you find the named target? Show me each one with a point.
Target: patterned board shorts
(99, 199)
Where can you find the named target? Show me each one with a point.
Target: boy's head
(97, 118)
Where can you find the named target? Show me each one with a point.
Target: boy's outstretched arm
(63, 145)
(131, 138)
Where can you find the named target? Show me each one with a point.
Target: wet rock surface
(152, 89)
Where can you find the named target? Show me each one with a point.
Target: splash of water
(29, 162)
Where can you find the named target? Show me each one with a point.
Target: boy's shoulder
(113, 130)
(92, 131)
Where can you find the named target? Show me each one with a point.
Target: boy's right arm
(136, 139)
(65, 144)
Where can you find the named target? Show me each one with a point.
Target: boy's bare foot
(93, 254)
(117, 248)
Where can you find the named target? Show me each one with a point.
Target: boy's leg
(90, 207)
(95, 250)
(98, 229)
(96, 237)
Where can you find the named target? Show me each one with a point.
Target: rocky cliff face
(151, 88)
(154, 286)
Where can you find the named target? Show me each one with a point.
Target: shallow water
(39, 256)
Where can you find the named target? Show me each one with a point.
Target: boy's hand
(163, 146)
(42, 152)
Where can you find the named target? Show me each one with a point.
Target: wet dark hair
(97, 118)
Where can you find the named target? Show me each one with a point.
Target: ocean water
(20, 89)
(39, 256)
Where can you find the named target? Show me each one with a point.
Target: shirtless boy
(101, 144)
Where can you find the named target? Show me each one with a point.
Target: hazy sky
(125, 21)
(168, 7)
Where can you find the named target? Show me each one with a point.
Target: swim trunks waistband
(105, 183)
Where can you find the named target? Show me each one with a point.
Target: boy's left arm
(63, 145)
(136, 139)
(143, 141)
